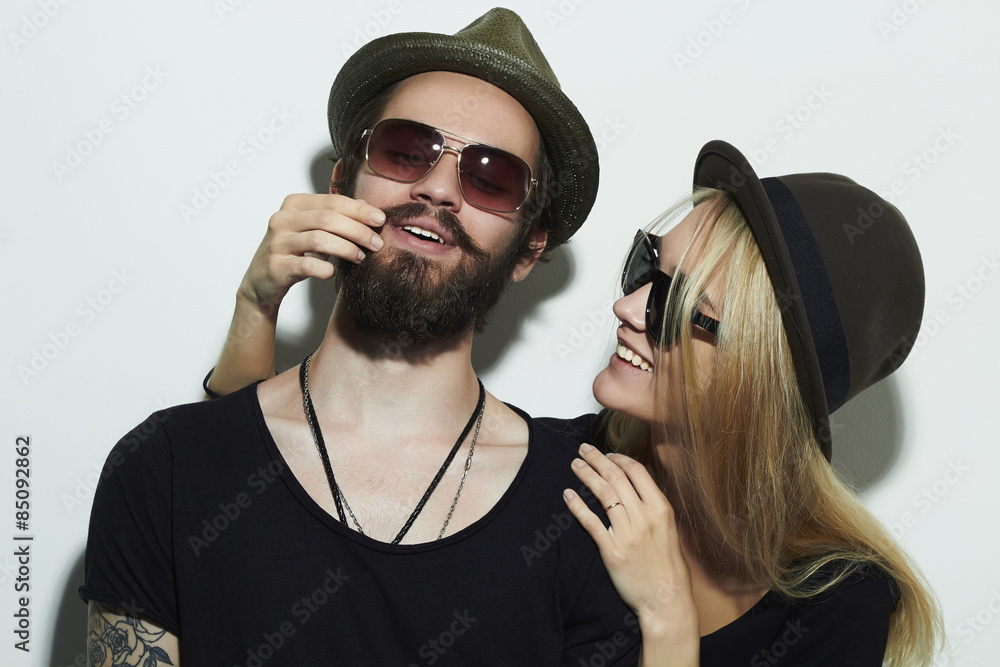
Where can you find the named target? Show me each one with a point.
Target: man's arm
(118, 637)
(306, 227)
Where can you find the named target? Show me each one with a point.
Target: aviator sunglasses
(490, 178)
(643, 266)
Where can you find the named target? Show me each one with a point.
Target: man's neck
(377, 385)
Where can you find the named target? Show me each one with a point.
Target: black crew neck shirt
(199, 525)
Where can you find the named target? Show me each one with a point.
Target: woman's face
(629, 382)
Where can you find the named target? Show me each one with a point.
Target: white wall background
(113, 304)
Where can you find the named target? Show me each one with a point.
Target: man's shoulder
(578, 429)
(565, 436)
(157, 436)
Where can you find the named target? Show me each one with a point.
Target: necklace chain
(340, 500)
(465, 472)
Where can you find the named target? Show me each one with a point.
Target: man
(329, 515)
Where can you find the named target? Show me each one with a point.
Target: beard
(410, 300)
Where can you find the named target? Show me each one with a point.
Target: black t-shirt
(199, 525)
(847, 626)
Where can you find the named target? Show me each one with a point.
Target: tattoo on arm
(118, 637)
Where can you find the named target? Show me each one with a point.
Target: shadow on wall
(868, 434)
(69, 640)
(504, 324)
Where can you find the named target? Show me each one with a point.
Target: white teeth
(423, 232)
(628, 355)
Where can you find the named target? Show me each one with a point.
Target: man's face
(431, 289)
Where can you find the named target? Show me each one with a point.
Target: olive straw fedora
(498, 48)
(845, 269)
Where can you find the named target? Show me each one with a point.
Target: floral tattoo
(117, 637)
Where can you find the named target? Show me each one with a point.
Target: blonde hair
(750, 486)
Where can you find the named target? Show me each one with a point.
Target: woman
(746, 538)
(742, 327)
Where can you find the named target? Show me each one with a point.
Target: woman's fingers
(357, 209)
(616, 498)
(323, 231)
(643, 483)
(590, 521)
(610, 473)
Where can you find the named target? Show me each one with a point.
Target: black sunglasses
(490, 178)
(643, 266)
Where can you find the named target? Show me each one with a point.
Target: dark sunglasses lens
(494, 179)
(640, 265)
(403, 150)
(656, 306)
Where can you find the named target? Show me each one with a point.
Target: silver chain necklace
(340, 501)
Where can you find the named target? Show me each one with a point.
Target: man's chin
(405, 296)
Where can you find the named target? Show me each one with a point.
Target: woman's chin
(610, 393)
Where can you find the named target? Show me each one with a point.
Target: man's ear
(335, 177)
(536, 241)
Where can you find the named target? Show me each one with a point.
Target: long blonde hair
(752, 489)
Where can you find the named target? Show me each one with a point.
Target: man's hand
(299, 236)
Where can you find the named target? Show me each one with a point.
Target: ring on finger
(614, 504)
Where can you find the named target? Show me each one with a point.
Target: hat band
(815, 293)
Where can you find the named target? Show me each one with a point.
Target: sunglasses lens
(493, 179)
(403, 150)
(640, 265)
(656, 306)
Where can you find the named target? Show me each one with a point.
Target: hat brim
(566, 136)
(722, 166)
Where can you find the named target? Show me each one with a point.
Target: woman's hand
(642, 553)
(300, 235)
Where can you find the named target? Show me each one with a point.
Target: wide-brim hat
(498, 48)
(845, 269)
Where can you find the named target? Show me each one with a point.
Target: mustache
(448, 220)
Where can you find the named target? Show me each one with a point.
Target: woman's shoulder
(845, 620)
(840, 581)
